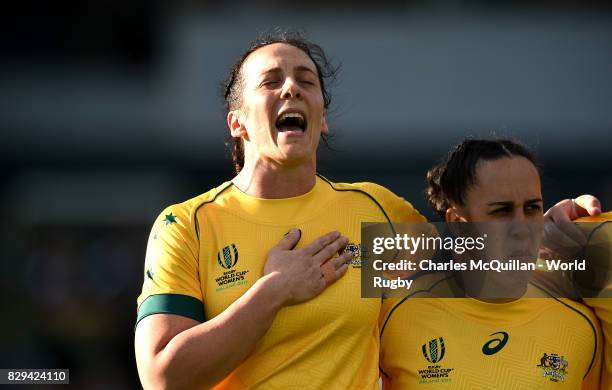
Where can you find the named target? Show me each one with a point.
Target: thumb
(292, 237)
(587, 205)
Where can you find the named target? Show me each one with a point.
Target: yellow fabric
(607, 216)
(331, 341)
(599, 241)
(467, 327)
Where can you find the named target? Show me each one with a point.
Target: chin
(297, 153)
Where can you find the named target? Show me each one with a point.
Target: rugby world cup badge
(227, 258)
(433, 351)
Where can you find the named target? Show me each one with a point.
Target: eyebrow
(299, 68)
(534, 200)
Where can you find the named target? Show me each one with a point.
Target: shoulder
(182, 216)
(370, 188)
(397, 208)
(589, 328)
(428, 287)
(190, 206)
(579, 318)
(578, 309)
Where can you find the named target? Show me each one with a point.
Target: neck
(270, 180)
(491, 286)
(495, 287)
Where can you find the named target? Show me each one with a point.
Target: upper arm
(153, 334)
(171, 300)
(172, 272)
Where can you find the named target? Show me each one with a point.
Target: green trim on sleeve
(182, 305)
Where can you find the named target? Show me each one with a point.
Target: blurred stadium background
(110, 111)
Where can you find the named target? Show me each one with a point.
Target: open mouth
(291, 121)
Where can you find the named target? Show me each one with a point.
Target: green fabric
(182, 305)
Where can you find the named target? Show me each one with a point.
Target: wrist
(273, 290)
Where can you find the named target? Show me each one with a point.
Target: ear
(234, 122)
(324, 128)
(452, 215)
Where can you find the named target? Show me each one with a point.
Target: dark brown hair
(449, 181)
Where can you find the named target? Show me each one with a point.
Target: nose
(291, 89)
(519, 225)
(519, 215)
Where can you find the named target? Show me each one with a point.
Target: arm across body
(178, 352)
(560, 235)
(557, 228)
(173, 351)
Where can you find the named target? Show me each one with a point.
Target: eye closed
(270, 83)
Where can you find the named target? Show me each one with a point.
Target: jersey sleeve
(171, 275)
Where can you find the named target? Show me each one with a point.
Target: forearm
(201, 356)
(179, 352)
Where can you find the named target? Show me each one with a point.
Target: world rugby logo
(436, 350)
(228, 256)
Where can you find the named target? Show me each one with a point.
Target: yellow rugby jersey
(600, 239)
(603, 217)
(205, 253)
(464, 343)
